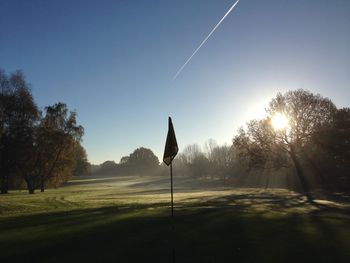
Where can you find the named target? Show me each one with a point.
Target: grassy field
(127, 219)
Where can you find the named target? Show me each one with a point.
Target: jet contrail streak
(205, 40)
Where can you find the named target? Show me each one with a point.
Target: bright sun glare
(279, 121)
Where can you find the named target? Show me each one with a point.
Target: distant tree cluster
(37, 148)
(215, 162)
(141, 161)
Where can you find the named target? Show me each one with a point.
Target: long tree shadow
(213, 231)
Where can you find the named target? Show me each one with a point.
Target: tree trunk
(42, 186)
(300, 174)
(4, 184)
(30, 187)
(4, 190)
(224, 179)
(325, 183)
(267, 181)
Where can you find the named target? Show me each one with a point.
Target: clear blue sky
(114, 61)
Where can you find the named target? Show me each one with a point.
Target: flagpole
(170, 152)
(172, 210)
(172, 192)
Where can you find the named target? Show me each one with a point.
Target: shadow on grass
(212, 231)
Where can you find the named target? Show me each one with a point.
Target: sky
(114, 62)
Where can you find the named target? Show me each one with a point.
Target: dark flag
(171, 148)
(170, 152)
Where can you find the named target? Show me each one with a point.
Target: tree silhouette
(19, 115)
(266, 147)
(50, 157)
(142, 161)
(222, 158)
(82, 165)
(332, 155)
(335, 138)
(37, 149)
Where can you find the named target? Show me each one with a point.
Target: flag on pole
(171, 148)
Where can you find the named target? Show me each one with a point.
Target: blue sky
(114, 62)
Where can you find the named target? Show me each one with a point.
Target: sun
(279, 121)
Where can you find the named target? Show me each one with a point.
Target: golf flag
(171, 148)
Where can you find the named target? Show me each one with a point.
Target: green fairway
(128, 220)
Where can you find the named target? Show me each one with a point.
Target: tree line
(38, 148)
(42, 148)
(312, 152)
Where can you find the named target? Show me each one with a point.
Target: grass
(128, 220)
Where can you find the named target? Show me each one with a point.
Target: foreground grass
(127, 220)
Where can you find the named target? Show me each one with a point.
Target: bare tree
(209, 147)
(222, 158)
(191, 152)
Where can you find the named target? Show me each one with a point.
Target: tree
(37, 149)
(82, 164)
(209, 147)
(57, 138)
(191, 152)
(222, 158)
(108, 167)
(19, 115)
(142, 161)
(199, 167)
(331, 151)
(265, 146)
(124, 160)
(194, 160)
(3, 98)
(335, 138)
(50, 158)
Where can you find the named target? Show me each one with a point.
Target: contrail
(205, 40)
